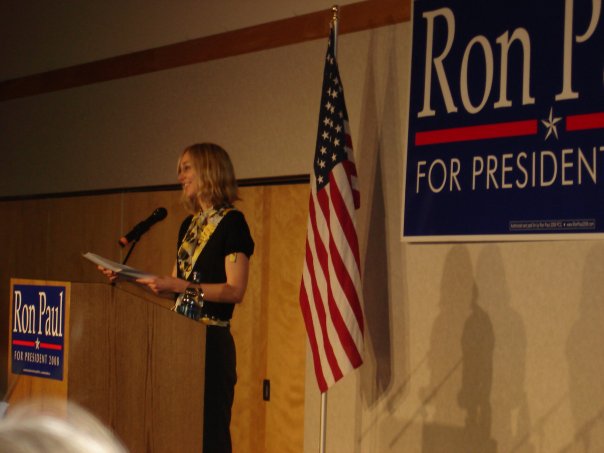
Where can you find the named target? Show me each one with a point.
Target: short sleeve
(238, 236)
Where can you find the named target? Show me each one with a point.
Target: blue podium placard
(37, 330)
(506, 121)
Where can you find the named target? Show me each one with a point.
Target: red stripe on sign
(482, 132)
(56, 347)
(584, 122)
(23, 343)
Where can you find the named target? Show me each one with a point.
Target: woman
(213, 251)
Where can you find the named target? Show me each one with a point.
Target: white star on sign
(550, 124)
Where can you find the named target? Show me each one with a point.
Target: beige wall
(440, 319)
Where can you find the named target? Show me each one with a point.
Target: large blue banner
(506, 120)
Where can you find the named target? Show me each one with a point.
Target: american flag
(330, 293)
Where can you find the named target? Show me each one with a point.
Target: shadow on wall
(376, 294)
(460, 361)
(478, 324)
(510, 419)
(385, 375)
(586, 360)
(384, 271)
(376, 373)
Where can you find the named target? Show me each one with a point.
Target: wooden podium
(131, 361)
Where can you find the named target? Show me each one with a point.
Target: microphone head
(159, 214)
(142, 227)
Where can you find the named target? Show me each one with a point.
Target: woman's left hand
(164, 284)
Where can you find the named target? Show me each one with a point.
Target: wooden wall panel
(286, 333)
(78, 225)
(249, 331)
(268, 327)
(156, 250)
(25, 239)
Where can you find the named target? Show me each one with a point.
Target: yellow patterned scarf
(200, 230)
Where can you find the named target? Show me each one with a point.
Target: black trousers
(221, 377)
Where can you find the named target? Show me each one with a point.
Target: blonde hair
(215, 176)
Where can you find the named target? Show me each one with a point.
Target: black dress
(232, 235)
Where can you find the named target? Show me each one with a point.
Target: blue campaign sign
(37, 330)
(506, 120)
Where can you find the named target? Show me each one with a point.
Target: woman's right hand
(112, 276)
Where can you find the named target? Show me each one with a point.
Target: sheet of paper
(121, 269)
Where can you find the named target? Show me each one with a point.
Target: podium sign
(38, 328)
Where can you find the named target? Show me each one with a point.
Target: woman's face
(187, 177)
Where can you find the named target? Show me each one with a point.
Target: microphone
(141, 228)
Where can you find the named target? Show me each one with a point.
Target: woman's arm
(236, 268)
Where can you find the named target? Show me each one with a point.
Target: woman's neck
(205, 206)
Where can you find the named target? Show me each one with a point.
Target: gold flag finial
(334, 25)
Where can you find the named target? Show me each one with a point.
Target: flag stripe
(321, 289)
(343, 209)
(337, 312)
(330, 333)
(349, 267)
(344, 269)
(309, 323)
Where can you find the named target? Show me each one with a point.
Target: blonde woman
(211, 270)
